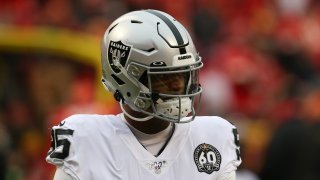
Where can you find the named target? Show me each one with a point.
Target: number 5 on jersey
(237, 142)
(60, 145)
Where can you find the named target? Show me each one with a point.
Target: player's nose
(176, 86)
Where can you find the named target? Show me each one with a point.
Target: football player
(151, 65)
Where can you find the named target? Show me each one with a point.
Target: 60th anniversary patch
(207, 158)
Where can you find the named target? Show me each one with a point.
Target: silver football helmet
(150, 63)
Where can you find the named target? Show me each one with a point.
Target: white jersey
(100, 147)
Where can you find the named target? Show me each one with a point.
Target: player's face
(174, 84)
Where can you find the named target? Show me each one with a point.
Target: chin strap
(131, 117)
(175, 107)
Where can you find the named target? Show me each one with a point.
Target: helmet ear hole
(128, 94)
(144, 78)
(118, 80)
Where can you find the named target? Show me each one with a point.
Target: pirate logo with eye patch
(118, 54)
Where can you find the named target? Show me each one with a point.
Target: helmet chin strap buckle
(117, 95)
(140, 104)
(155, 96)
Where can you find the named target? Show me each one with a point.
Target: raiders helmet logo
(118, 54)
(207, 158)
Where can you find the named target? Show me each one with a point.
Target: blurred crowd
(262, 67)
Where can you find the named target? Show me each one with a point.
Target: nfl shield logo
(118, 54)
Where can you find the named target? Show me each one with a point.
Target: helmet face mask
(170, 92)
(153, 69)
